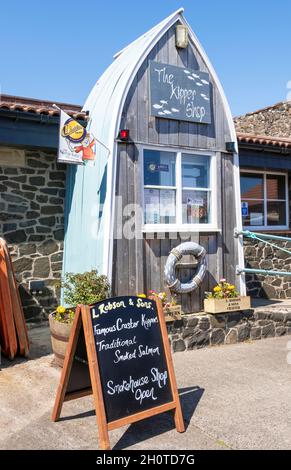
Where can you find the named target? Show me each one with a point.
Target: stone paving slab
(233, 397)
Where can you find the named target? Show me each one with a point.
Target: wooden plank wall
(139, 262)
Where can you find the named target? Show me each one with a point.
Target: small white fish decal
(175, 110)
(191, 78)
(157, 106)
(205, 82)
(204, 96)
(194, 75)
(199, 84)
(161, 113)
(166, 111)
(163, 102)
(186, 71)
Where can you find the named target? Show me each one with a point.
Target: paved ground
(236, 397)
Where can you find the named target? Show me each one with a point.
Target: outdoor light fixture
(123, 135)
(182, 38)
(230, 147)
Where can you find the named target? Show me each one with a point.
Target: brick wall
(32, 222)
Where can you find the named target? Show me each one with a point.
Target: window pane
(160, 206)
(276, 213)
(276, 187)
(196, 207)
(195, 171)
(255, 214)
(252, 186)
(159, 168)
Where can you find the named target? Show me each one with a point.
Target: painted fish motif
(163, 102)
(195, 76)
(161, 113)
(166, 111)
(157, 106)
(191, 78)
(175, 110)
(199, 84)
(205, 82)
(186, 71)
(204, 96)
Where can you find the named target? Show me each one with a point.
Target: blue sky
(56, 50)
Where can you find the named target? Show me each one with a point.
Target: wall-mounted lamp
(230, 147)
(182, 37)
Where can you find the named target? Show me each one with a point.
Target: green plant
(163, 296)
(223, 290)
(86, 288)
(64, 315)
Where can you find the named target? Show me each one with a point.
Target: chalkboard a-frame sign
(119, 351)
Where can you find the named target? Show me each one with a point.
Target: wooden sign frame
(83, 317)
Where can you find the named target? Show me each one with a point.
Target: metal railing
(263, 237)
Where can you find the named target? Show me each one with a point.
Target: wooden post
(178, 416)
(104, 442)
(68, 361)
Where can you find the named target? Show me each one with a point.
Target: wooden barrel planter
(60, 333)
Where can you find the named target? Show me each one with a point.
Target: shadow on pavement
(39, 346)
(156, 425)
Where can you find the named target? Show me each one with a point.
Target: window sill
(181, 229)
(267, 230)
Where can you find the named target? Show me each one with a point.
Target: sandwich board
(119, 351)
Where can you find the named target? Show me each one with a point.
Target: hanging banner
(76, 145)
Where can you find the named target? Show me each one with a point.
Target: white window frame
(179, 226)
(265, 200)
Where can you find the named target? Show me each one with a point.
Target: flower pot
(172, 313)
(60, 333)
(227, 305)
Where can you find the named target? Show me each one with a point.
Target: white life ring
(187, 248)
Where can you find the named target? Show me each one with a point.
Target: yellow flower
(142, 295)
(231, 287)
(217, 289)
(61, 309)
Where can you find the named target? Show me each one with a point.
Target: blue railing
(263, 237)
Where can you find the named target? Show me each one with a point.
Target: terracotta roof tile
(246, 138)
(30, 105)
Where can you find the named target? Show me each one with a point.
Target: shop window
(264, 199)
(177, 188)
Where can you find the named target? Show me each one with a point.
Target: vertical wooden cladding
(139, 262)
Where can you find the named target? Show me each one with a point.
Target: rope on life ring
(187, 248)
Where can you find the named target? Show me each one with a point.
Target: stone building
(265, 166)
(32, 194)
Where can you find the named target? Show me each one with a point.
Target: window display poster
(167, 203)
(256, 218)
(152, 206)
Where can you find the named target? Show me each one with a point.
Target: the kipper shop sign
(179, 93)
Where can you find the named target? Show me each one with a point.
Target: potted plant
(86, 288)
(225, 298)
(172, 310)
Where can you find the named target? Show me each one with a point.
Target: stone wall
(274, 121)
(32, 222)
(258, 255)
(198, 331)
